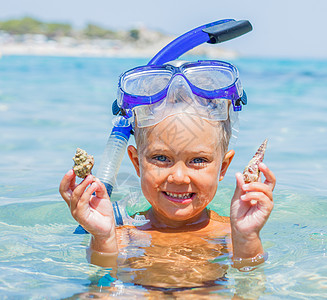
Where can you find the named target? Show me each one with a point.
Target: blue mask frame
(212, 33)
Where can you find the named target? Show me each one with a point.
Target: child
(181, 155)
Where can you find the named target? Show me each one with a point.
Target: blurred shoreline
(67, 46)
(30, 36)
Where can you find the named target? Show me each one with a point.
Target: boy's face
(180, 166)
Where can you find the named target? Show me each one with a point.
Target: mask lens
(145, 83)
(210, 78)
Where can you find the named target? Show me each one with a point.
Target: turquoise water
(49, 106)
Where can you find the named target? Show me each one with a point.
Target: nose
(179, 174)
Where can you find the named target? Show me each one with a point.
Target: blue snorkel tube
(212, 33)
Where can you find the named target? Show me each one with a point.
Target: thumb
(239, 183)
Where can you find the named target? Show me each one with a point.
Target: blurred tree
(58, 30)
(22, 26)
(95, 31)
(29, 25)
(34, 26)
(134, 34)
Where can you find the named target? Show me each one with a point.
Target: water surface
(49, 106)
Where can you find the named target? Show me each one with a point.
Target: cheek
(208, 184)
(211, 173)
(150, 185)
(151, 176)
(209, 187)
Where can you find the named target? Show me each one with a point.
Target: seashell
(83, 163)
(251, 171)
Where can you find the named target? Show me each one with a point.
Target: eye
(161, 158)
(199, 160)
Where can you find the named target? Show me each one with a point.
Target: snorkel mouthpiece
(224, 32)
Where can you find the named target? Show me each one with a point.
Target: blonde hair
(224, 132)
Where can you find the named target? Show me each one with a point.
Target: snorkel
(212, 33)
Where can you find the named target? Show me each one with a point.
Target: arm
(90, 206)
(250, 209)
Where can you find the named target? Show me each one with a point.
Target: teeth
(179, 196)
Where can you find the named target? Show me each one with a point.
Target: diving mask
(202, 88)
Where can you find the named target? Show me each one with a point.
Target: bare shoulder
(218, 225)
(216, 217)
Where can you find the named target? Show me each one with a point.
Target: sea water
(49, 106)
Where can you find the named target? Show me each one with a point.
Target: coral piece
(251, 171)
(83, 163)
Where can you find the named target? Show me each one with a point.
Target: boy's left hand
(250, 209)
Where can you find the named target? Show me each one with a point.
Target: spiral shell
(251, 171)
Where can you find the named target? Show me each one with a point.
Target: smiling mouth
(179, 197)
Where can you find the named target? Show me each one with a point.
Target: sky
(281, 28)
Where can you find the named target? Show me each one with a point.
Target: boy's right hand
(93, 212)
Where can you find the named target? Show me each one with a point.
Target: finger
(260, 177)
(258, 187)
(101, 192)
(260, 199)
(101, 200)
(257, 197)
(66, 184)
(239, 183)
(79, 190)
(84, 202)
(269, 175)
